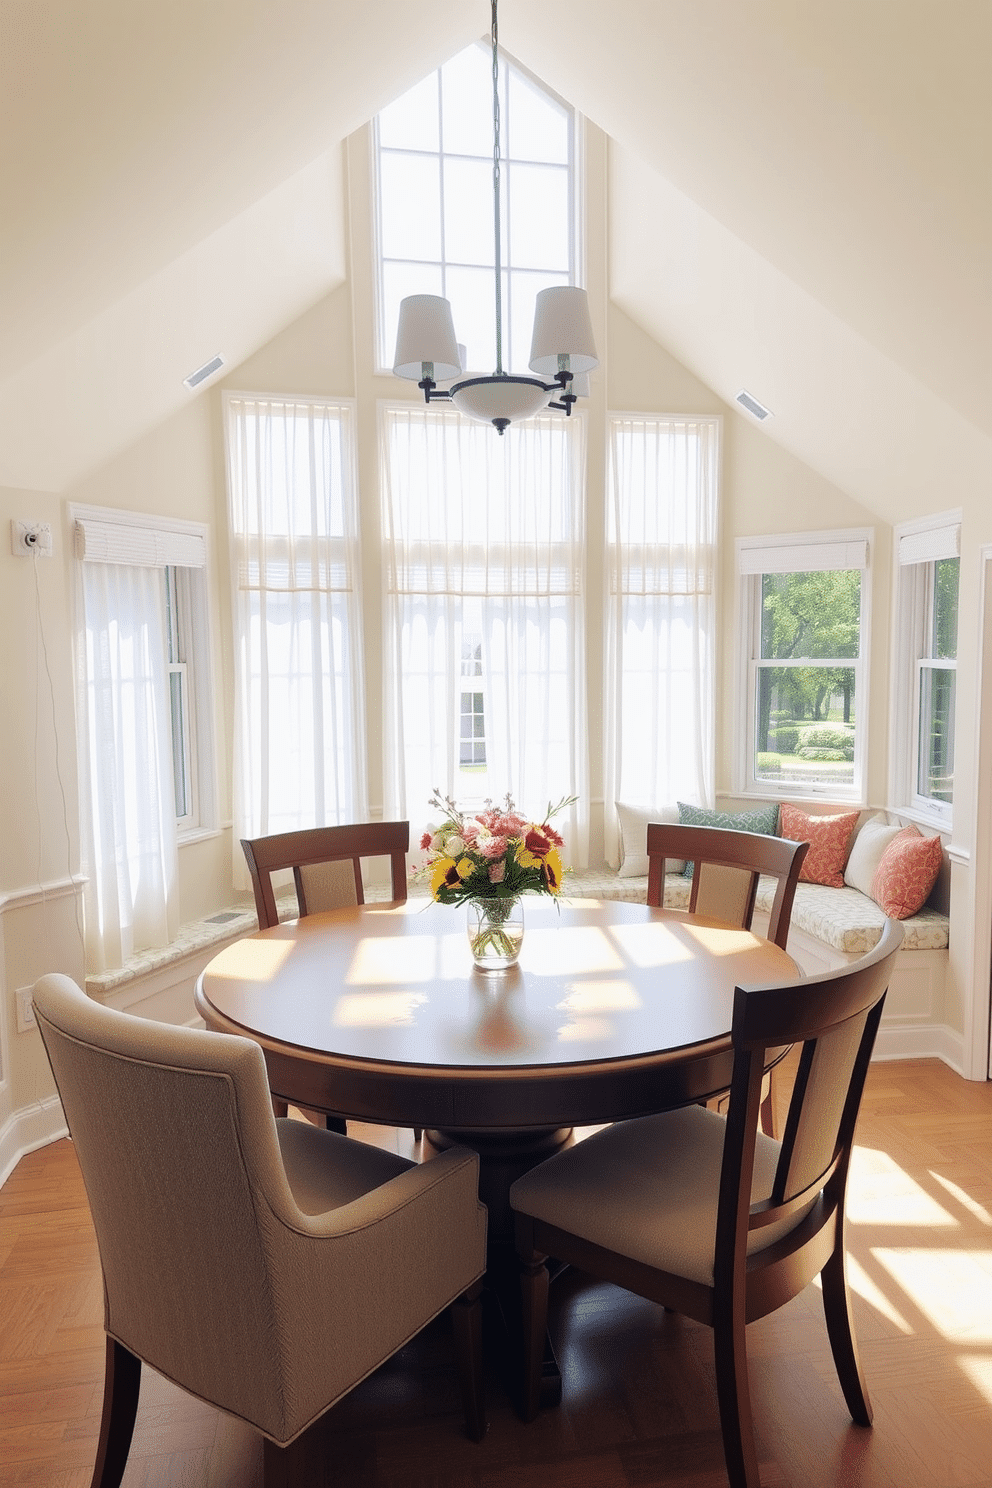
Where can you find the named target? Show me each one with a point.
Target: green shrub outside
(785, 739)
(808, 753)
(827, 736)
(769, 764)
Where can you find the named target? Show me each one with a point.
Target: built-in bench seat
(844, 918)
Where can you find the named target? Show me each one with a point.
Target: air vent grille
(752, 405)
(202, 373)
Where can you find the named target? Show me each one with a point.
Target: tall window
(925, 666)
(661, 634)
(434, 149)
(804, 617)
(144, 722)
(299, 733)
(484, 644)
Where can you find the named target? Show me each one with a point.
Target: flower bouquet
(487, 861)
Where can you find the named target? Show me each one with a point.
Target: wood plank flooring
(639, 1404)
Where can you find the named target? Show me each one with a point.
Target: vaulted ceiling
(801, 203)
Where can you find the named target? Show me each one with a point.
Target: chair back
(177, 1145)
(326, 864)
(835, 1018)
(726, 867)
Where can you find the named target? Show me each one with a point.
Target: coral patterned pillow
(906, 873)
(829, 839)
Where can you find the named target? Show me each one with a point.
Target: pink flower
(425, 841)
(491, 847)
(497, 872)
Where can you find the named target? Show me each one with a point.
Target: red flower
(425, 841)
(538, 841)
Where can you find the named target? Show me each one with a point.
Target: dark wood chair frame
(745, 1288)
(313, 846)
(752, 851)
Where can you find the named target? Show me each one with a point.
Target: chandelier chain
(496, 197)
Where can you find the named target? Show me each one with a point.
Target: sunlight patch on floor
(951, 1288)
(881, 1193)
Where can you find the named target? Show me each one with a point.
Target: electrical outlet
(30, 538)
(25, 1010)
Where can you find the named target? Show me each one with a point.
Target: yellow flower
(553, 871)
(447, 874)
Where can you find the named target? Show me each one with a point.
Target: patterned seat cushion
(844, 918)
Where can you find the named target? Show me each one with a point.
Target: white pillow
(634, 838)
(872, 838)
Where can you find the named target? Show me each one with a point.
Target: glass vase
(495, 932)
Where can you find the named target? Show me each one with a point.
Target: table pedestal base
(504, 1156)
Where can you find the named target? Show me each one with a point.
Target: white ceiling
(816, 181)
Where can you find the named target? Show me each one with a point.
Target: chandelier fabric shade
(562, 348)
(563, 338)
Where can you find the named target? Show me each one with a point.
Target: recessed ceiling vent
(758, 410)
(202, 373)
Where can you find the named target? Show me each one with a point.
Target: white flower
(455, 846)
(437, 842)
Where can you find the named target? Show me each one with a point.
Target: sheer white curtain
(483, 542)
(661, 629)
(299, 757)
(126, 785)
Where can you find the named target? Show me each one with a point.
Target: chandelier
(562, 346)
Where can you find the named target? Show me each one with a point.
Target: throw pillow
(763, 820)
(907, 872)
(870, 842)
(633, 838)
(829, 839)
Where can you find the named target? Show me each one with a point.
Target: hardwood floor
(639, 1404)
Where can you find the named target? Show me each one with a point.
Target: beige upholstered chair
(726, 866)
(265, 1266)
(708, 1216)
(327, 872)
(326, 864)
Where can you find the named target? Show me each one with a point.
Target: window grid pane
(441, 218)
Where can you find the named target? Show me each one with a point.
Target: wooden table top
(613, 1008)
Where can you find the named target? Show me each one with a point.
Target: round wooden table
(377, 1013)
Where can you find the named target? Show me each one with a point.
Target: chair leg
(336, 1124)
(122, 1382)
(734, 1396)
(766, 1111)
(466, 1317)
(534, 1281)
(843, 1344)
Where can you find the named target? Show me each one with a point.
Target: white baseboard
(27, 1129)
(921, 1041)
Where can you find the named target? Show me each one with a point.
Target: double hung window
(804, 611)
(144, 722)
(925, 665)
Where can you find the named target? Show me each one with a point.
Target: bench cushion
(843, 918)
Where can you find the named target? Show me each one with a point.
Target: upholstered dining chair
(707, 1215)
(327, 873)
(265, 1266)
(726, 867)
(326, 864)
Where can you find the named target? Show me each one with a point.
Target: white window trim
(916, 545)
(105, 534)
(797, 552)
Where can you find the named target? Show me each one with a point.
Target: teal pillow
(763, 820)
